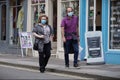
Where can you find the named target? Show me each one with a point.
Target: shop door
(3, 22)
(55, 20)
(93, 36)
(94, 15)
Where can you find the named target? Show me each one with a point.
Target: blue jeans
(67, 46)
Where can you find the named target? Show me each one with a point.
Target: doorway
(55, 20)
(94, 15)
(3, 22)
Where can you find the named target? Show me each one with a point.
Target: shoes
(67, 66)
(42, 70)
(76, 65)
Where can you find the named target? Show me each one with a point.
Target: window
(114, 28)
(38, 8)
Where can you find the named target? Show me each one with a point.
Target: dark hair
(41, 18)
(69, 7)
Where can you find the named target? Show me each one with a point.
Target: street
(9, 72)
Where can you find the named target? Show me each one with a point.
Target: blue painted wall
(82, 27)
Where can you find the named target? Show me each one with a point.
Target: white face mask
(70, 14)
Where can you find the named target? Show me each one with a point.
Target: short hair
(41, 18)
(69, 7)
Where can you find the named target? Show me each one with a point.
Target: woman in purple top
(70, 31)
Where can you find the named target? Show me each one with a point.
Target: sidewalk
(57, 65)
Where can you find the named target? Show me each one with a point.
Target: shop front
(103, 16)
(55, 10)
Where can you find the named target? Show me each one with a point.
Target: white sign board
(94, 49)
(25, 40)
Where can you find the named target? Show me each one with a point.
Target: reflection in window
(114, 28)
(70, 3)
(38, 8)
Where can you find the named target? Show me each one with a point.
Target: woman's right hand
(41, 36)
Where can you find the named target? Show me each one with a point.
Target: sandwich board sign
(94, 48)
(25, 41)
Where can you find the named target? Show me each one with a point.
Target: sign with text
(25, 40)
(94, 49)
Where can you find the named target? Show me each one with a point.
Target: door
(93, 36)
(94, 15)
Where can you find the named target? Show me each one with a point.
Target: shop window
(70, 3)
(114, 28)
(16, 18)
(38, 8)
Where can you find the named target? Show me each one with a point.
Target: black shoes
(67, 66)
(75, 65)
(42, 70)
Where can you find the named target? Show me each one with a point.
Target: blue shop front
(101, 16)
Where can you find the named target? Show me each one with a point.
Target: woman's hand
(41, 36)
(38, 36)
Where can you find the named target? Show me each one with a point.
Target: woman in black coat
(43, 35)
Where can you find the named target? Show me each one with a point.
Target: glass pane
(74, 4)
(34, 15)
(12, 2)
(41, 9)
(34, 1)
(41, 1)
(90, 15)
(114, 28)
(64, 6)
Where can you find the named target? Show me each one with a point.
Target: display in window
(42, 8)
(114, 29)
(36, 14)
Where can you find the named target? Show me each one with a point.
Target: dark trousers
(67, 48)
(45, 55)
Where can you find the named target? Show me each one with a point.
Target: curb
(96, 77)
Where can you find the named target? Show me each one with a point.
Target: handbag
(35, 46)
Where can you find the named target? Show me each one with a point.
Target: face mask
(70, 14)
(43, 21)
